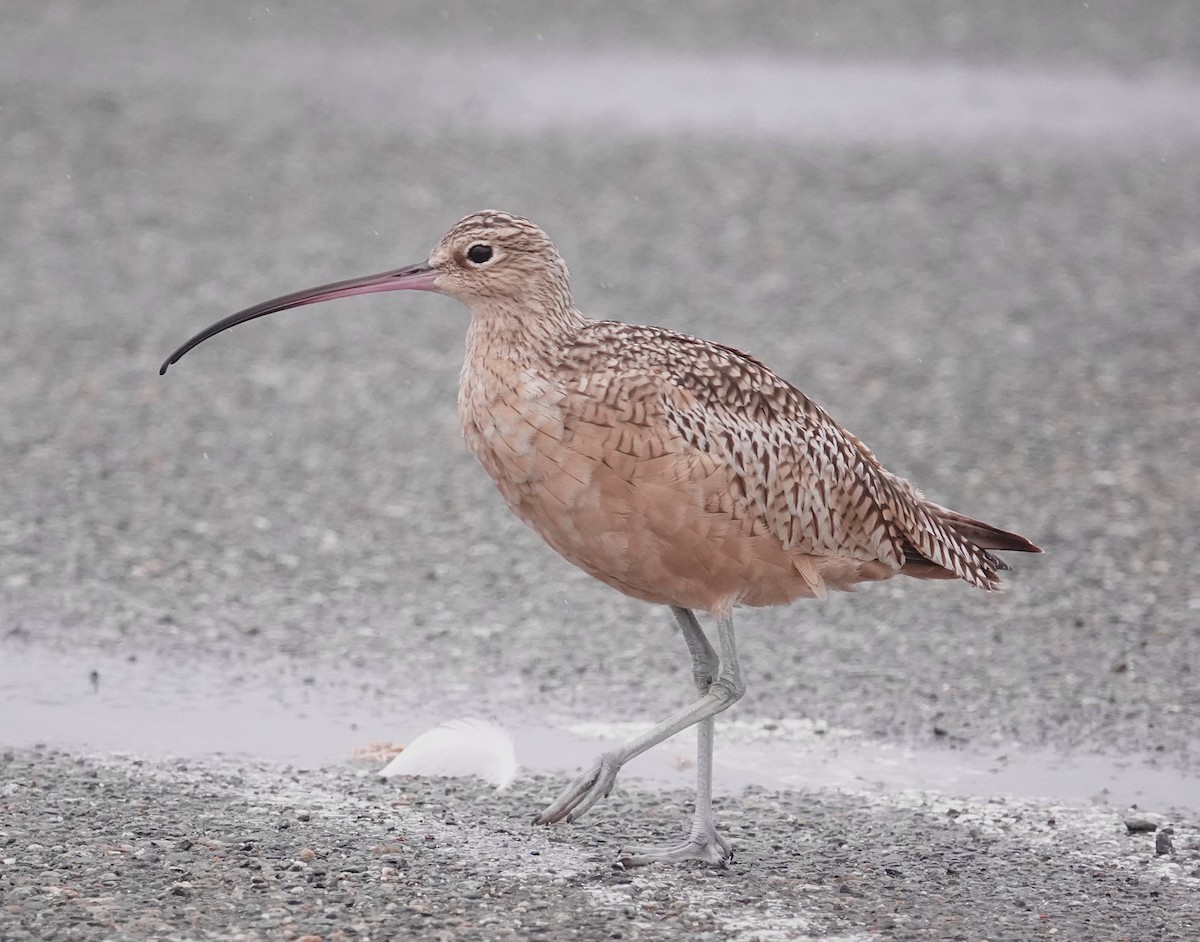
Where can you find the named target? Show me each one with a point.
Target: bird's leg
(597, 780)
(704, 659)
(702, 841)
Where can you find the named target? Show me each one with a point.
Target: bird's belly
(651, 519)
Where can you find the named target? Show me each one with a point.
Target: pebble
(1141, 823)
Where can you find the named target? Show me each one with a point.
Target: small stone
(308, 854)
(1141, 823)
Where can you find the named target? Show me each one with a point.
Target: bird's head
(494, 256)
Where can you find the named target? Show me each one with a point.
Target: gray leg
(704, 659)
(719, 694)
(702, 842)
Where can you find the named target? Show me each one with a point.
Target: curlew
(679, 471)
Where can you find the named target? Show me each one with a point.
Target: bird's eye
(479, 253)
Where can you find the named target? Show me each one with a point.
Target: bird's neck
(524, 334)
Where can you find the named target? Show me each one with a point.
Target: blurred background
(969, 230)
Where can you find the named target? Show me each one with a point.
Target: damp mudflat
(149, 708)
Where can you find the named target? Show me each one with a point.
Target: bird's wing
(806, 479)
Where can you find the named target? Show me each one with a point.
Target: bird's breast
(512, 421)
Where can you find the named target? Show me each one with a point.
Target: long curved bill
(413, 278)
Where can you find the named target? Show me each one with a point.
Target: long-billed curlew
(676, 470)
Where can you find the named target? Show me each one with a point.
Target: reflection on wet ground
(98, 703)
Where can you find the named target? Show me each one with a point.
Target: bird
(679, 471)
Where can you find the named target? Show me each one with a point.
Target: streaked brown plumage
(677, 470)
(681, 471)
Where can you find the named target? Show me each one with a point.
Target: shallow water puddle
(793, 754)
(104, 703)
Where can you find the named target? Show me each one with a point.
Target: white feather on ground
(457, 749)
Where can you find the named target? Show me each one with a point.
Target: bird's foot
(703, 843)
(593, 783)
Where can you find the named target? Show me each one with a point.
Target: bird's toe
(589, 787)
(702, 843)
(717, 853)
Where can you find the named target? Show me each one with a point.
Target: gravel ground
(1000, 296)
(246, 852)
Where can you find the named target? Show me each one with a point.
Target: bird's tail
(983, 535)
(977, 539)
